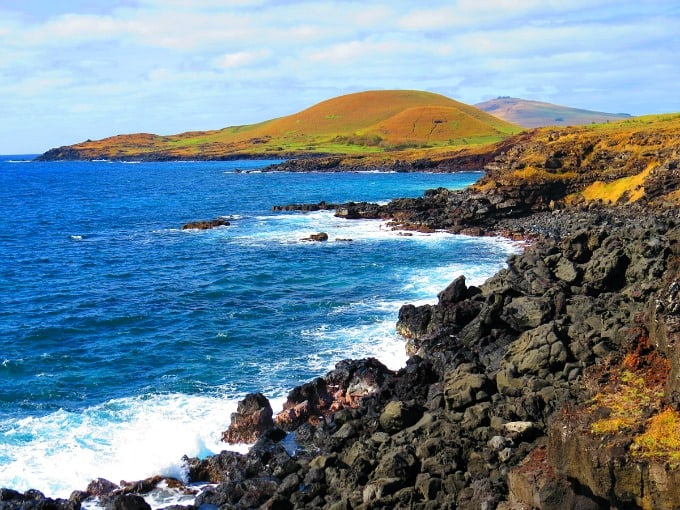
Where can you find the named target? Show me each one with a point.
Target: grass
(630, 188)
(633, 404)
(361, 123)
(661, 438)
(626, 400)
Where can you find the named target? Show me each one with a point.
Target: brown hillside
(360, 123)
(432, 123)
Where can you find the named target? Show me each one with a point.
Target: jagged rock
(342, 387)
(456, 291)
(253, 417)
(34, 500)
(223, 467)
(607, 266)
(398, 415)
(101, 487)
(413, 322)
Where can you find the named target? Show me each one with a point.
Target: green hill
(362, 123)
(530, 114)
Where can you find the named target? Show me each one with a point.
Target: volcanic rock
(252, 418)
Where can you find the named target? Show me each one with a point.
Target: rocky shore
(554, 385)
(495, 408)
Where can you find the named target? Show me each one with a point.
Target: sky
(72, 70)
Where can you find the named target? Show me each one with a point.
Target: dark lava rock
(321, 236)
(206, 224)
(34, 500)
(126, 502)
(252, 418)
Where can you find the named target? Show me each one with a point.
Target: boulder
(398, 415)
(126, 502)
(252, 418)
(527, 312)
(465, 386)
(537, 351)
(413, 321)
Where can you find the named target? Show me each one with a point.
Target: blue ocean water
(126, 342)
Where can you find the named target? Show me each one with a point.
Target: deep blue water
(123, 337)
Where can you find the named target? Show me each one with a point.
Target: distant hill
(530, 114)
(360, 123)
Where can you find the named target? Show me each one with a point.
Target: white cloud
(241, 59)
(94, 65)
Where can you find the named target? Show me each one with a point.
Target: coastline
(519, 392)
(490, 367)
(496, 371)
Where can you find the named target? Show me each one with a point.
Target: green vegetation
(661, 439)
(362, 123)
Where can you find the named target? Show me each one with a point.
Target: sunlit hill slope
(618, 162)
(360, 123)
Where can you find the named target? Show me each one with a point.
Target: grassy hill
(531, 114)
(362, 123)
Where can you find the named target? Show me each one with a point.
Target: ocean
(126, 342)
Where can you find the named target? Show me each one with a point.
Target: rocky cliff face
(561, 165)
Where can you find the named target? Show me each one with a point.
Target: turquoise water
(126, 342)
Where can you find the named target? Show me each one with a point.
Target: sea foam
(124, 439)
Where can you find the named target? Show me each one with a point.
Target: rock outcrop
(252, 418)
(206, 224)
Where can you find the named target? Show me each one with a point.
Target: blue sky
(77, 69)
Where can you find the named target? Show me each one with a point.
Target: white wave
(375, 340)
(293, 228)
(124, 439)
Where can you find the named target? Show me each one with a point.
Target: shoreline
(115, 455)
(491, 368)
